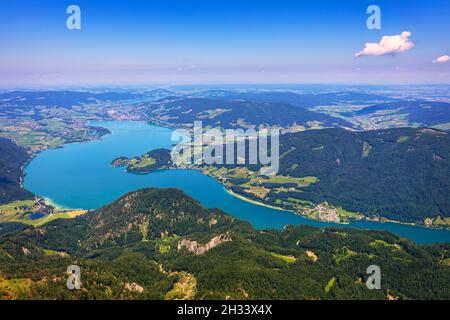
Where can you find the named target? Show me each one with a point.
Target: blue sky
(215, 41)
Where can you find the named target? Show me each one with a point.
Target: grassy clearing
(211, 114)
(134, 164)
(345, 215)
(48, 252)
(49, 218)
(19, 211)
(55, 143)
(36, 139)
(163, 249)
(255, 179)
(442, 221)
(241, 173)
(446, 262)
(10, 210)
(259, 192)
(184, 289)
(285, 258)
(343, 254)
(143, 228)
(142, 162)
(299, 201)
(301, 182)
(330, 284)
(64, 215)
(366, 149)
(254, 186)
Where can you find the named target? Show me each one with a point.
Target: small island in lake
(152, 161)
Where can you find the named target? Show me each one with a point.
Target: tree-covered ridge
(304, 100)
(400, 174)
(12, 159)
(161, 244)
(231, 113)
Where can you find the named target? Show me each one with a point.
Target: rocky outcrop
(133, 287)
(198, 249)
(312, 256)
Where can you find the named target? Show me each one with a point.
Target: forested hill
(426, 113)
(12, 158)
(402, 174)
(63, 99)
(161, 244)
(229, 113)
(299, 99)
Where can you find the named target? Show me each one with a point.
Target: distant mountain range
(399, 174)
(251, 107)
(423, 113)
(299, 99)
(234, 113)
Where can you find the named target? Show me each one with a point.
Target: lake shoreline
(99, 183)
(262, 204)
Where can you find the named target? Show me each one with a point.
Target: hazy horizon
(177, 42)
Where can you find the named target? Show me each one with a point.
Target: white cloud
(442, 59)
(388, 45)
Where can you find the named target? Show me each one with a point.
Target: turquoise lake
(80, 176)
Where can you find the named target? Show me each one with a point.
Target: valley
(65, 178)
(337, 185)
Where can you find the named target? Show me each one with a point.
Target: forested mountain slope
(232, 113)
(300, 99)
(402, 174)
(424, 113)
(63, 99)
(161, 244)
(12, 158)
